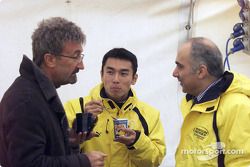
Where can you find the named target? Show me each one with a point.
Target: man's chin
(73, 81)
(184, 90)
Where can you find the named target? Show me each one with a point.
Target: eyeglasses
(78, 57)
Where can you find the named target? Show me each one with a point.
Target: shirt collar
(202, 94)
(214, 90)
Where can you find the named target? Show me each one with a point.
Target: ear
(135, 77)
(49, 60)
(101, 73)
(202, 71)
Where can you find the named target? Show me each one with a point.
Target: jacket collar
(112, 106)
(215, 91)
(31, 71)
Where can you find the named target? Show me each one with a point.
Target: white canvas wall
(152, 29)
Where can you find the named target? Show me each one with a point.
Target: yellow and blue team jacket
(225, 108)
(148, 151)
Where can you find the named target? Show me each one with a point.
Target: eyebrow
(123, 70)
(78, 51)
(178, 64)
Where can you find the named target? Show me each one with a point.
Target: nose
(175, 72)
(80, 65)
(116, 78)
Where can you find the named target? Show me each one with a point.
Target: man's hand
(96, 158)
(94, 106)
(76, 139)
(128, 138)
(80, 137)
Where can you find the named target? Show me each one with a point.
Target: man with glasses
(33, 125)
(139, 140)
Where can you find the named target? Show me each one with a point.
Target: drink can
(120, 123)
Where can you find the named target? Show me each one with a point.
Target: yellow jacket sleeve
(150, 150)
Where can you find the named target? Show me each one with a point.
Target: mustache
(75, 71)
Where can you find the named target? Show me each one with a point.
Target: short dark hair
(51, 35)
(121, 53)
(204, 51)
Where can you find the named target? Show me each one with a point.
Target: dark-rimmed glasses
(78, 58)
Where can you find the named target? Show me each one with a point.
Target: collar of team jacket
(215, 91)
(229, 83)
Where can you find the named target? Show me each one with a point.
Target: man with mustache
(33, 125)
(216, 108)
(142, 142)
